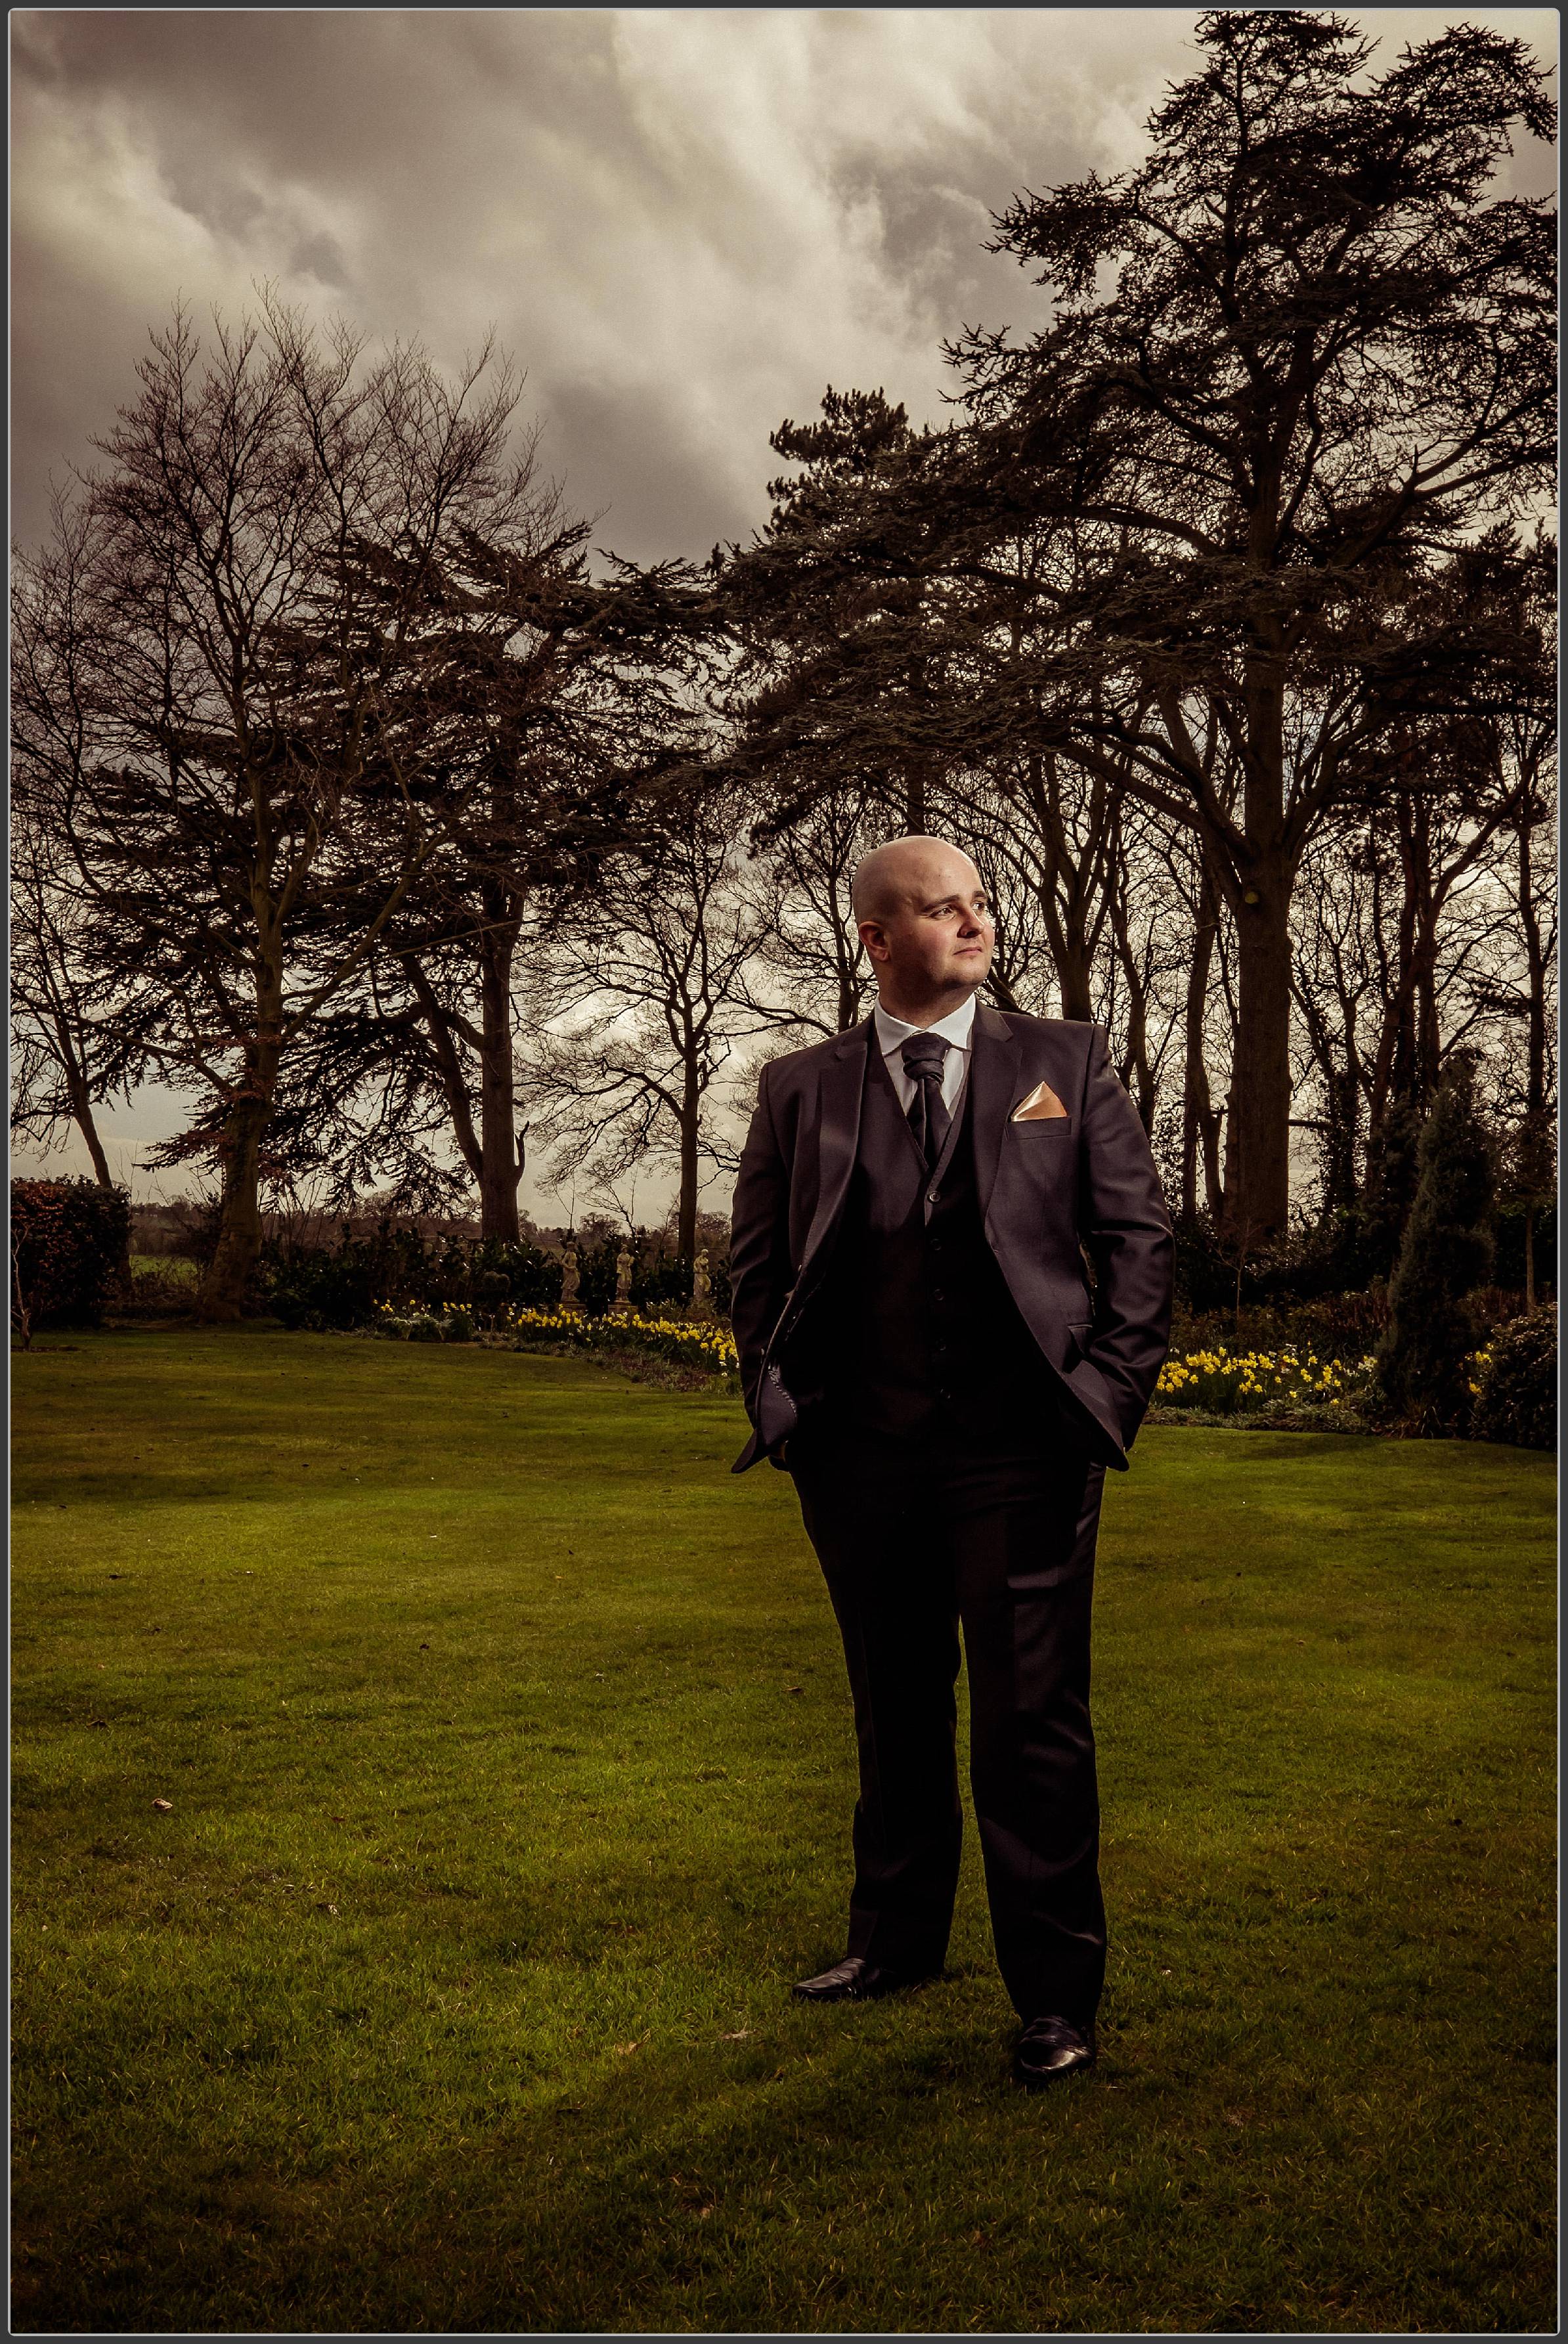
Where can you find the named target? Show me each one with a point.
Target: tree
(639, 1002)
(231, 709)
(842, 611)
(1528, 1176)
(1202, 1120)
(1296, 357)
(1422, 1358)
(575, 699)
(74, 1045)
(811, 974)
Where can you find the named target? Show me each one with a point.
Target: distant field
(509, 1770)
(165, 1265)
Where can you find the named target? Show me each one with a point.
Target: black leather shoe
(1049, 2047)
(856, 1980)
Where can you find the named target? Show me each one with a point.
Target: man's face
(934, 933)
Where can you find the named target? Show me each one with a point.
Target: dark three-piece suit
(920, 1348)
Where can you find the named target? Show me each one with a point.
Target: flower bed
(1289, 1388)
(691, 1343)
(1240, 1383)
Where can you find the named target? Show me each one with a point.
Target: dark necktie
(928, 1118)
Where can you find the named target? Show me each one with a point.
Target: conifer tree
(1446, 1254)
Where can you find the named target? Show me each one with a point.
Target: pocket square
(1041, 1103)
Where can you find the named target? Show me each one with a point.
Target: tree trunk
(238, 1249)
(82, 1116)
(1136, 1061)
(691, 1108)
(1065, 892)
(501, 1158)
(1530, 1257)
(1258, 1203)
(1199, 1119)
(1070, 953)
(448, 1066)
(1400, 1068)
(1342, 1093)
(223, 1290)
(1136, 1057)
(1539, 1014)
(1430, 897)
(79, 1093)
(1258, 1192)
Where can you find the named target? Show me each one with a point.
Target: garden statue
(624, 1281)
(569, 1279)
(701, 1288)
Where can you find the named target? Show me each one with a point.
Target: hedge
(69, 1250)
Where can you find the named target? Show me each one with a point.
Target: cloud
(683, 223)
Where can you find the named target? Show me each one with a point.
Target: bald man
(921, 1349)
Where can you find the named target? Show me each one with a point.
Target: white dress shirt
(957, 1029)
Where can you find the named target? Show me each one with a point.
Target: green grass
(511, 1769)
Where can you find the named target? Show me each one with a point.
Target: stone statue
(569, 1279)
(701, 1286)
(623, 1281)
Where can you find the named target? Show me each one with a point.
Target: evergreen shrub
(341, 1286)
(1423, 1357)
(69, 1250)
(1303, 1266)
(322, 1287)
(1516, 1394)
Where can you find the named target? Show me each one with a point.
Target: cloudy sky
(683, 223)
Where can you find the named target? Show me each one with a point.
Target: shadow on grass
(452, 1993)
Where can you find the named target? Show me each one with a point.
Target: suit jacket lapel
(843, 1085)
(994, 1075)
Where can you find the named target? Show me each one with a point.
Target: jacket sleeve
(759, 1244)
(1126, 1229)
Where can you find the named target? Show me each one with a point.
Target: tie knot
(922, 1054)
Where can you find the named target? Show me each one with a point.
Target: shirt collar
(956, 1028)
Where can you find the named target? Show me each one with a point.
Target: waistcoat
(919, 1335)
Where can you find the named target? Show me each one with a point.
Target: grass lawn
(510, 1766)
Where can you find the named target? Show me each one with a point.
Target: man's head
(924, 921)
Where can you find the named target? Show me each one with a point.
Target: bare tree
(235, 724)
(641, 1000)
(75, 1042)
(811, 974)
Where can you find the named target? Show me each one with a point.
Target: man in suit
(921, 1350)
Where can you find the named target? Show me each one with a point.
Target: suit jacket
(1047, 1188)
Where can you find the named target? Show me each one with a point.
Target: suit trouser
(913, 1543)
